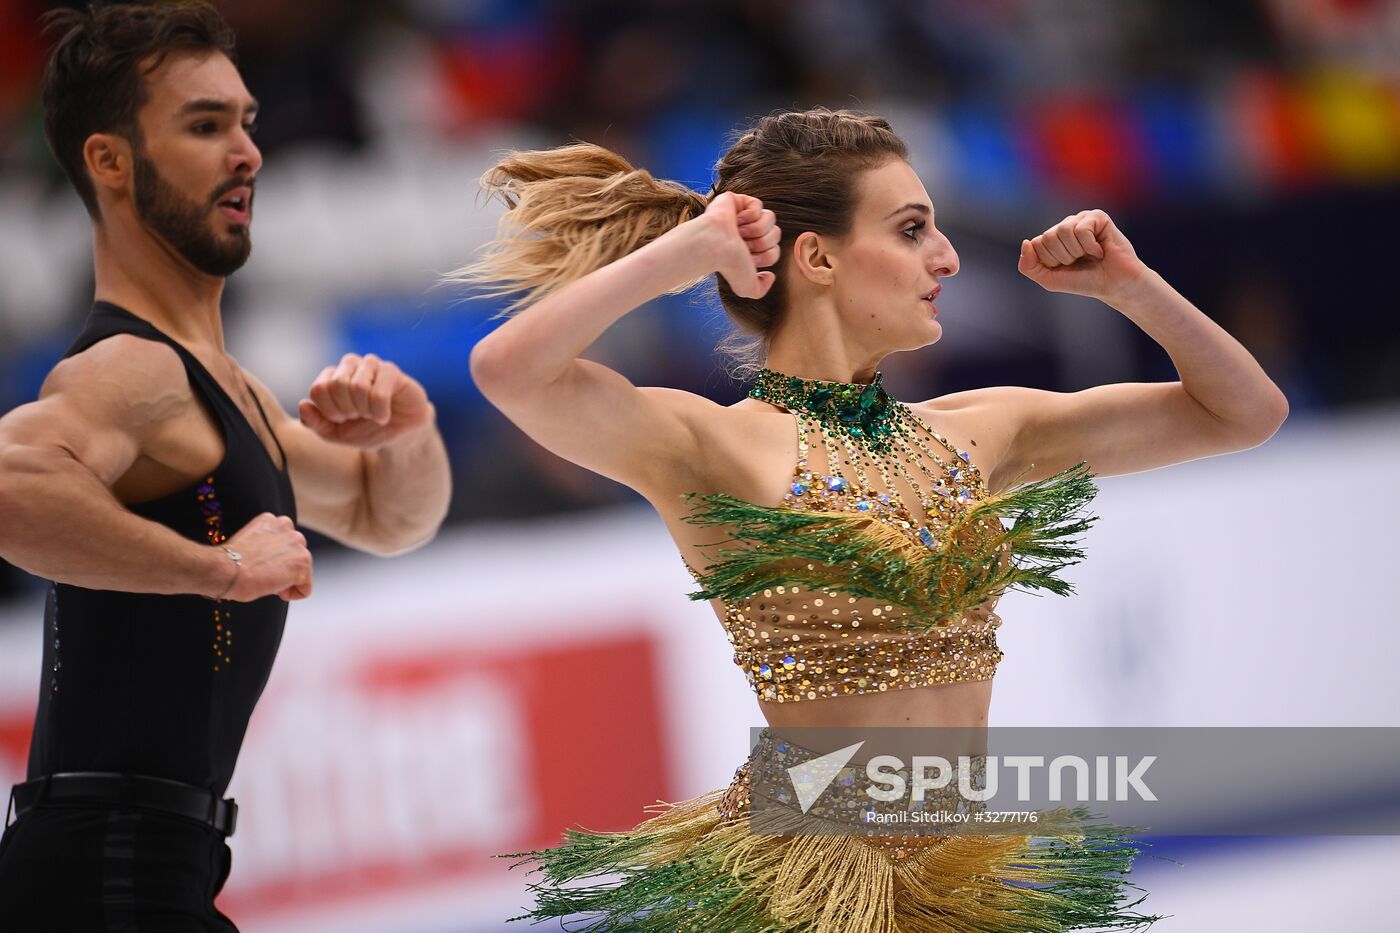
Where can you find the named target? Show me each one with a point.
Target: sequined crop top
(842, 590)
(794, 644)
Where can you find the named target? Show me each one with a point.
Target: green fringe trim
(858, 554)
(1083, 887)
(684, 896)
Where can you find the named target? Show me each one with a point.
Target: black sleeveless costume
(160, 686)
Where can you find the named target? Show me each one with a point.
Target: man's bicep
(99, 408)
(50, 433)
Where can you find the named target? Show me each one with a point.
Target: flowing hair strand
(569, 211)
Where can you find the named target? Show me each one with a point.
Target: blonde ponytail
(569, 211)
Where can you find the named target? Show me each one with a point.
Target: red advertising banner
(399, 768)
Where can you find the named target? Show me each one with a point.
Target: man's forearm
(408, 485)
(57, 521)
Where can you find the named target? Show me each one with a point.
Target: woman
(866, 550)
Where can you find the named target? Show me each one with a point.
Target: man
(152, 483)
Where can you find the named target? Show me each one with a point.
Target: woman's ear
(811, 259)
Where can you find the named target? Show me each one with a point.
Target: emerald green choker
(865, 412)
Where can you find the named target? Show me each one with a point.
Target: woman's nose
(943, 260)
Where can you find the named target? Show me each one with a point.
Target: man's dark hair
(95, 81)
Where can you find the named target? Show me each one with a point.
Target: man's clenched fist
(272, 559)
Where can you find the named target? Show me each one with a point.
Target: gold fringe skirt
(698, 866)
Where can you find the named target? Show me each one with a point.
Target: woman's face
(888, 266)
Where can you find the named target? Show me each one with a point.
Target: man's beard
(184, 224)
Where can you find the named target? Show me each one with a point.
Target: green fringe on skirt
(690, 869)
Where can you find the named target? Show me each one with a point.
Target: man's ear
(108, 158)
(811, 258)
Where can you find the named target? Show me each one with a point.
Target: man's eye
(250, 128)
(204, 127)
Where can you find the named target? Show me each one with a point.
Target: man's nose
(245, 158)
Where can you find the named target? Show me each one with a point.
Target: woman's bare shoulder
(979, 421)
(707, 413)
(743, 445)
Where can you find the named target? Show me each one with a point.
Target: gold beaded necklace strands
(864, 428)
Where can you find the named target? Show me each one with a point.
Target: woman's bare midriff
(958, 711)
(938, 705)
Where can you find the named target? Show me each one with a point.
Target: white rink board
(1233, 591)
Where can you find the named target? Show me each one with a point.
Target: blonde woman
(867, 548)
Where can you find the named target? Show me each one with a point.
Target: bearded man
(153, 484)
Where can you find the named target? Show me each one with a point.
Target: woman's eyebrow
(911, 206)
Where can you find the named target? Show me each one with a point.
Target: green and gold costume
(879, 570)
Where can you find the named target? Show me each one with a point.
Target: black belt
(92, 788)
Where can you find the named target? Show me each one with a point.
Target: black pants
(78, 869)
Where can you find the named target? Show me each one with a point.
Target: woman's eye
(912, 231)
(250, 128)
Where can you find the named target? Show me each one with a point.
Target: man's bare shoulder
(131, 379)
(102, 407)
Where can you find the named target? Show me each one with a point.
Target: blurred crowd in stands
(1250, 149)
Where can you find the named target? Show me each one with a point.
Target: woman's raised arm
(1223, 402)
(530, 368)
